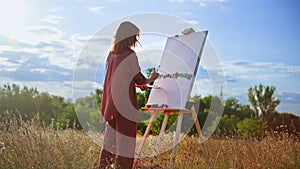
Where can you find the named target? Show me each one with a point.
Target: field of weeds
(29, 145)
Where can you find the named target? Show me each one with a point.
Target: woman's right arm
(153, 77)
(140, 79)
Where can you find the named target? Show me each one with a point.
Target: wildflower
(2, 147)
(285, 156)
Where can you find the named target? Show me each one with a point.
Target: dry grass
(28, 145)
(270, 152)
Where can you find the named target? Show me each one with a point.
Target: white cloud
(53, 49)
(289, 108)
(23, 59)
(3, 60)
(245, 74)
(55, 9)
(289, 102)
(187, 13)
(40, 70)
(209, 1)
(59, 59)
(9, 64)
(149, 58)
(65, 73)
(79, 40)
(34, 34)
(83, 66)
(202, 87)
(202, 3)
(45, 42)
(219, 1)
(179, 1)
(84, 88)
(193, 22)
(5, 47)
(261, 70)
(45, 30)
(10, 69)
(53, 19)
(97, 9)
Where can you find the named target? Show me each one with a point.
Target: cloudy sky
(42, 42)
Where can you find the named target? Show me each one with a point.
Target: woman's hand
(142, 86)
(154, 75)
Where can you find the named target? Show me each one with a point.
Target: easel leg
(177, 135)
(161, 133)
(196, 122)
(144, 139)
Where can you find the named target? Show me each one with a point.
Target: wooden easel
(183, 41)
(167, 112)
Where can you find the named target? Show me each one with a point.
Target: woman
(119, 100)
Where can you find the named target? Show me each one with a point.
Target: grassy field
(28, 145)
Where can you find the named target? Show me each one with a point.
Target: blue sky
(256, 41)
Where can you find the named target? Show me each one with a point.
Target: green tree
(148, 73)
(29, 102)
(141, 99)
(12, 98)
(88, 112)
(252, 127)
(157, 123)
(227, 124)
(233, 107)
(262, 100)
(44, 103)
(203, 108)
(234, 112)
(98, 96)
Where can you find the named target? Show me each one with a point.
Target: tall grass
(280, 151)
(32, 145)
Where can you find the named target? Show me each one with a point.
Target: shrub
(252, 127)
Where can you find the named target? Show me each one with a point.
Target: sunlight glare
(12, 15)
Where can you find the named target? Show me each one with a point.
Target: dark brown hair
(125, 37)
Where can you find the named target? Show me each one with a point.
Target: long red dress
(120, 109)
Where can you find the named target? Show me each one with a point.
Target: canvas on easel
(171, 91)
(177, 71)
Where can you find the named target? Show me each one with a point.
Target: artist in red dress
(119, 100)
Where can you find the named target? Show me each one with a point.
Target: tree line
(29, 102)
(253, 120)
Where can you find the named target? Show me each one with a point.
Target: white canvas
(177, 68)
